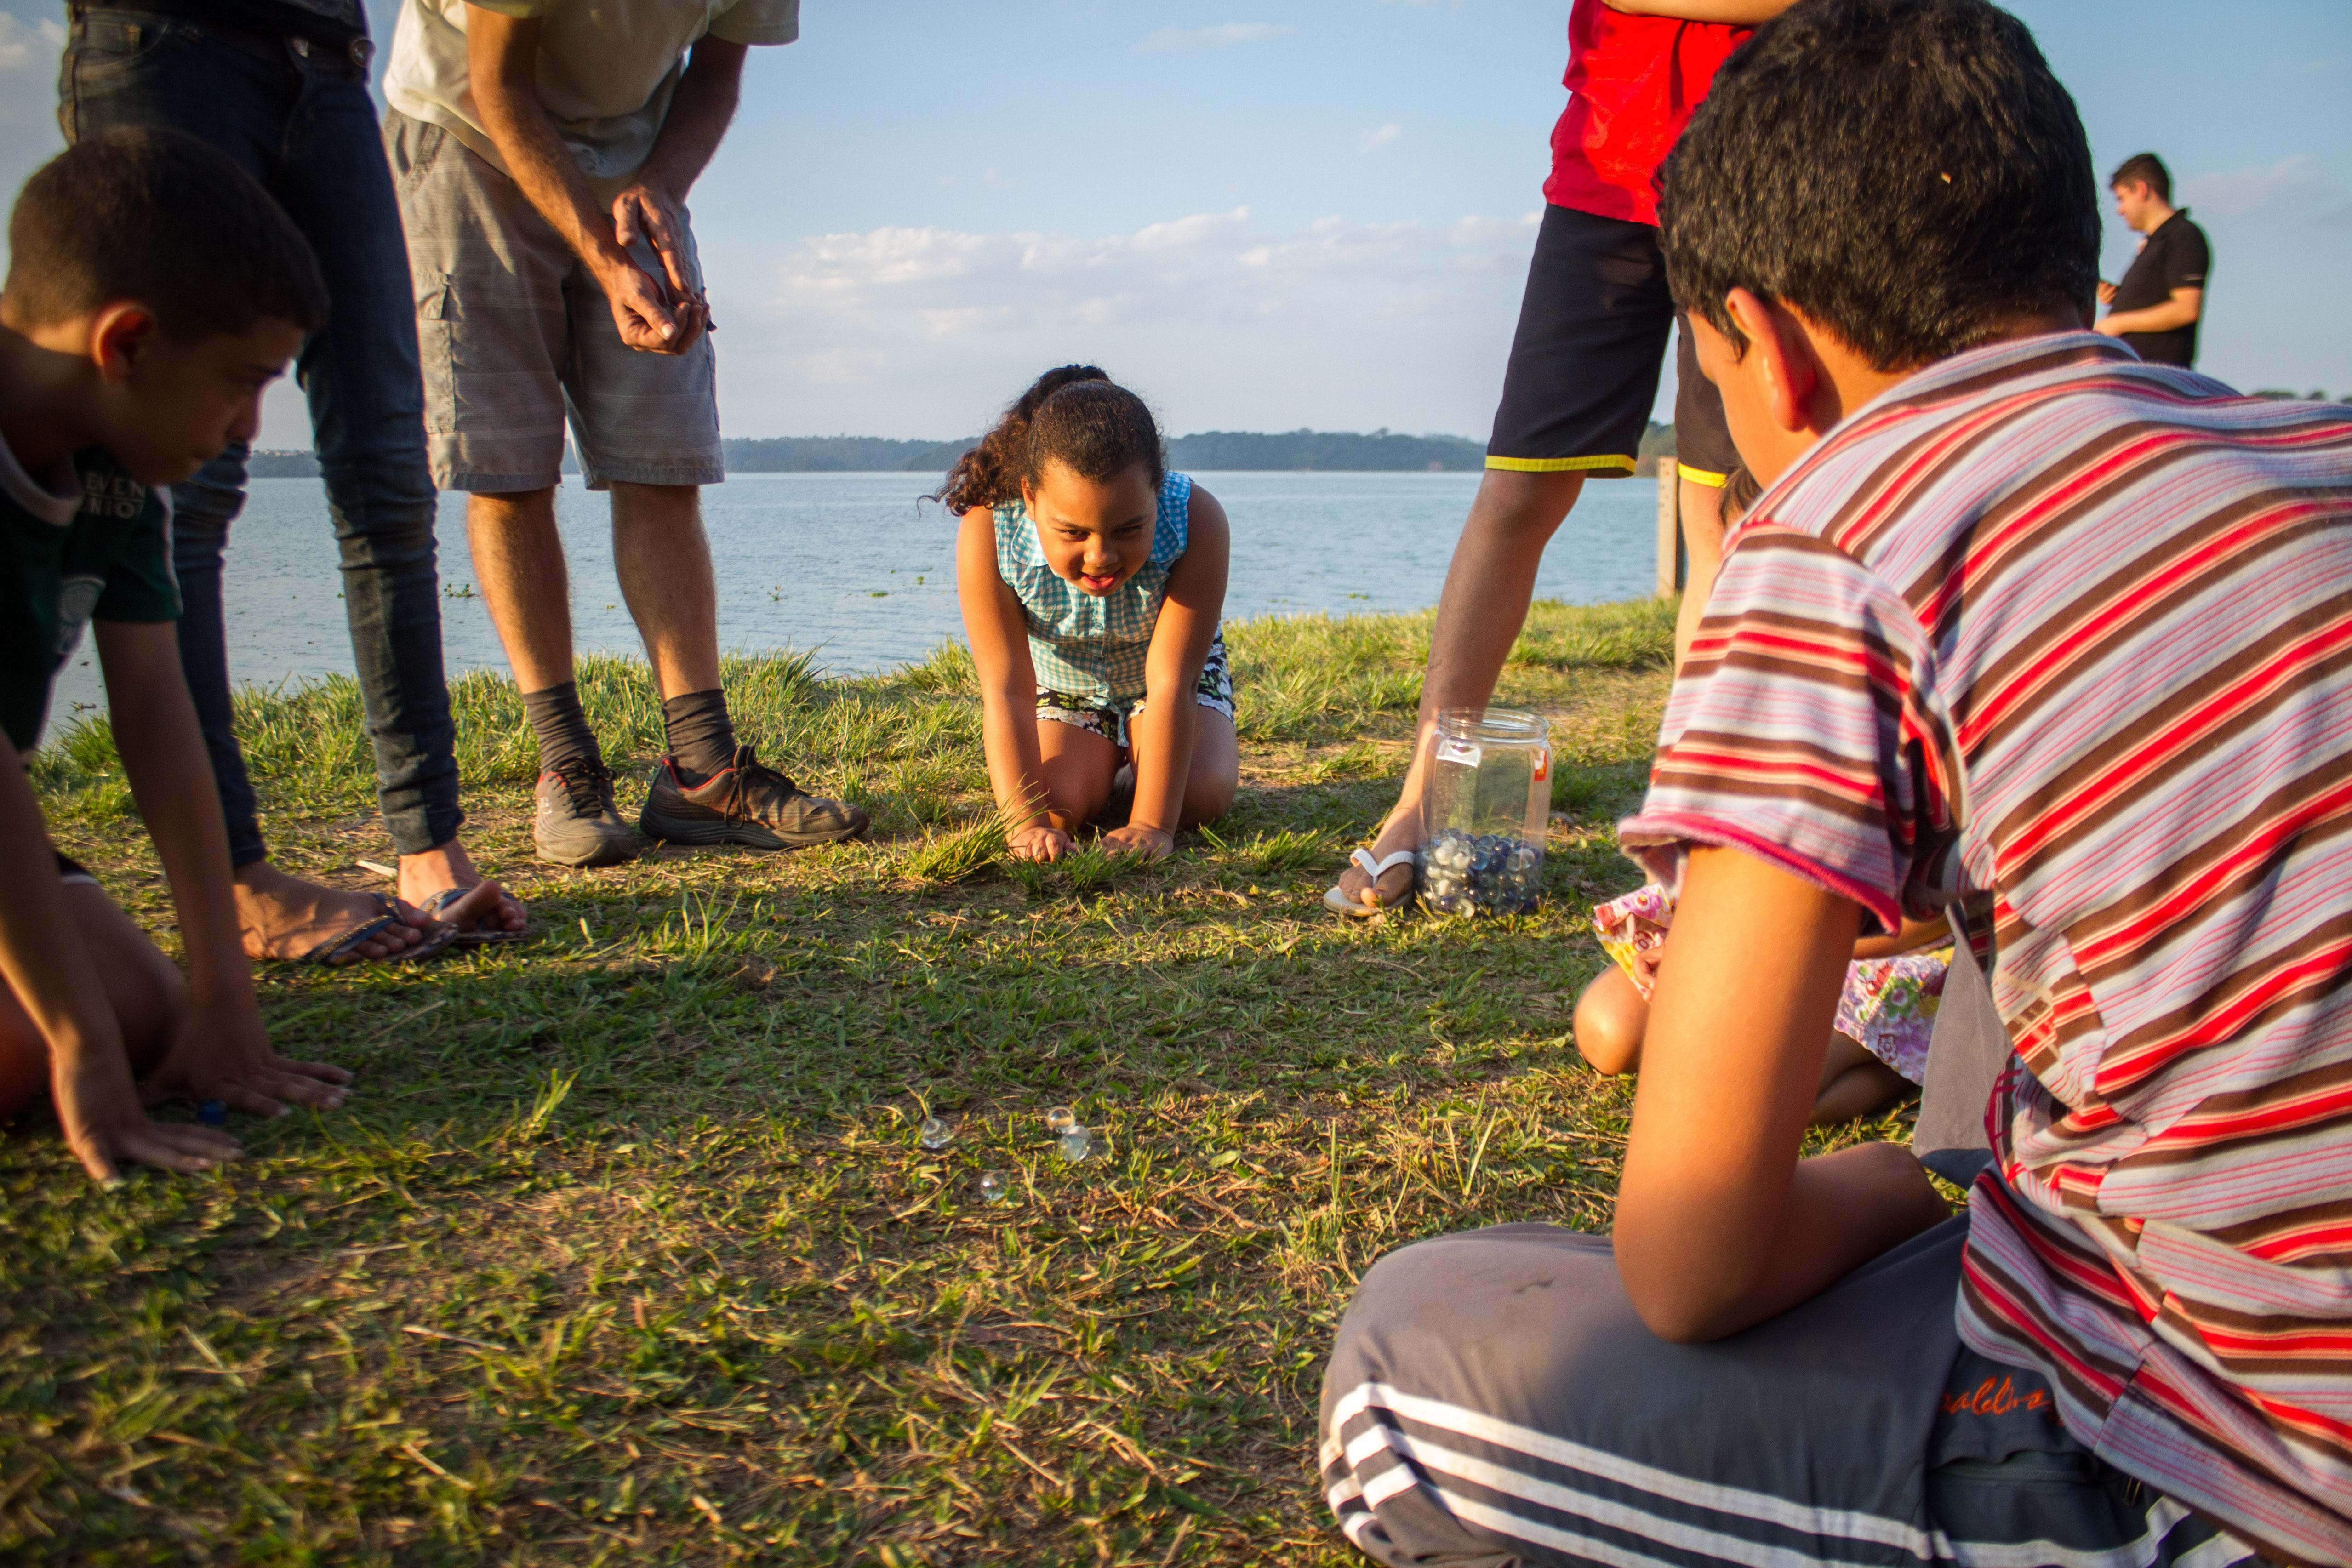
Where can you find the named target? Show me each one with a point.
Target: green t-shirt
(92, 543)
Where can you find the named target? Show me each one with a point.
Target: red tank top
(1634, 81)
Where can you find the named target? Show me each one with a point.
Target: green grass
(627, 1251)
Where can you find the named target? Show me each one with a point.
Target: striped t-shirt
(1086, 647)
(2049, 624)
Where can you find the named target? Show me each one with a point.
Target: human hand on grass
(222, 1053)
(107, 1128)
(1135, 839)
(1038, 842)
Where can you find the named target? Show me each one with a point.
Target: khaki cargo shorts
(515, 337)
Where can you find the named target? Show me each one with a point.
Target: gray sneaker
(747, 804)
(574, 822)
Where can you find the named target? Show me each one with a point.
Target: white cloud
(2294, 186)
(1373, 141)
(1201, 262)
(33, 44)
(1220, 318)
(1217, 37)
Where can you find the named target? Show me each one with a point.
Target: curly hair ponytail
(1076, 415)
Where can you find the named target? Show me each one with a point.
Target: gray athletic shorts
(1493, 1400)
(513, 335)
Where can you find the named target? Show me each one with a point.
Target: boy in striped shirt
(2019, 623)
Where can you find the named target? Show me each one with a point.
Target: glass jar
(1484, 803)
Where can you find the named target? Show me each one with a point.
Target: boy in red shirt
(1583, 372)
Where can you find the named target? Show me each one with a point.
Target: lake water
(848, 564)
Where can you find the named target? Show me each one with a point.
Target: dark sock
(564, 738)
(700, 735)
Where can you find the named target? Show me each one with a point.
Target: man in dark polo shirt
(2156, 306)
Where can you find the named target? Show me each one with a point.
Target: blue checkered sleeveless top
(1087, 648)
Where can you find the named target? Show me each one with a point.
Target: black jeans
(301, 121)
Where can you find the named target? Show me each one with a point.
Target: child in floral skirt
(1878, 1053)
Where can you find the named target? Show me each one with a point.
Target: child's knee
(1216, 775)
(147, 1005)
(1610, 1017)
(1077, 802)
(1206, 800)
(142, 985)
(1862, 1090)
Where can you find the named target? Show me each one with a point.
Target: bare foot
(1400, 831)
(282, 916)
(447, 866)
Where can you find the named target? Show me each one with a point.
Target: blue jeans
(301, 121)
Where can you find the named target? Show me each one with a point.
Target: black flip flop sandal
(479, 936)
(334, 948)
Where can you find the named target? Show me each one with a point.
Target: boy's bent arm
(221, 1053)
(2181, 309)
(1720, 1224)
(999, 635)
(1162, 732)
(654, 203)
(49, 971)
(503, 71)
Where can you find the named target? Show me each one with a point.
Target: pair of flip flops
(1338, 903)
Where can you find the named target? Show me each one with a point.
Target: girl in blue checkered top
(1091, 580)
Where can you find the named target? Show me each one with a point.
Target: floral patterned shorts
(1214, 690)
(1888, 1004)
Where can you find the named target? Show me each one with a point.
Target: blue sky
(1267, 216)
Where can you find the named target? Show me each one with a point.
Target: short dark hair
(1075, 415)
(1909, 174)
(159, 218)
(2144, 169)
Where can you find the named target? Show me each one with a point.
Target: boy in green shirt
(153, 290)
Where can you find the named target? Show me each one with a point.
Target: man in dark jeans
(2157, 307)
(281, 86)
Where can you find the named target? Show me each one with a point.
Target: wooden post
(1670, 529)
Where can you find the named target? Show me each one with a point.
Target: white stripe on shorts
(1763, 1507)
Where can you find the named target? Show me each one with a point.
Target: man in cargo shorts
(542, 153)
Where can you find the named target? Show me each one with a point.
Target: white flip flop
(1338, 903)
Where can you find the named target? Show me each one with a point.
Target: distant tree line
(840, 454)
(1326, 451)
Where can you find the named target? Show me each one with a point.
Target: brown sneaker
(574, 822)
(747, 804)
